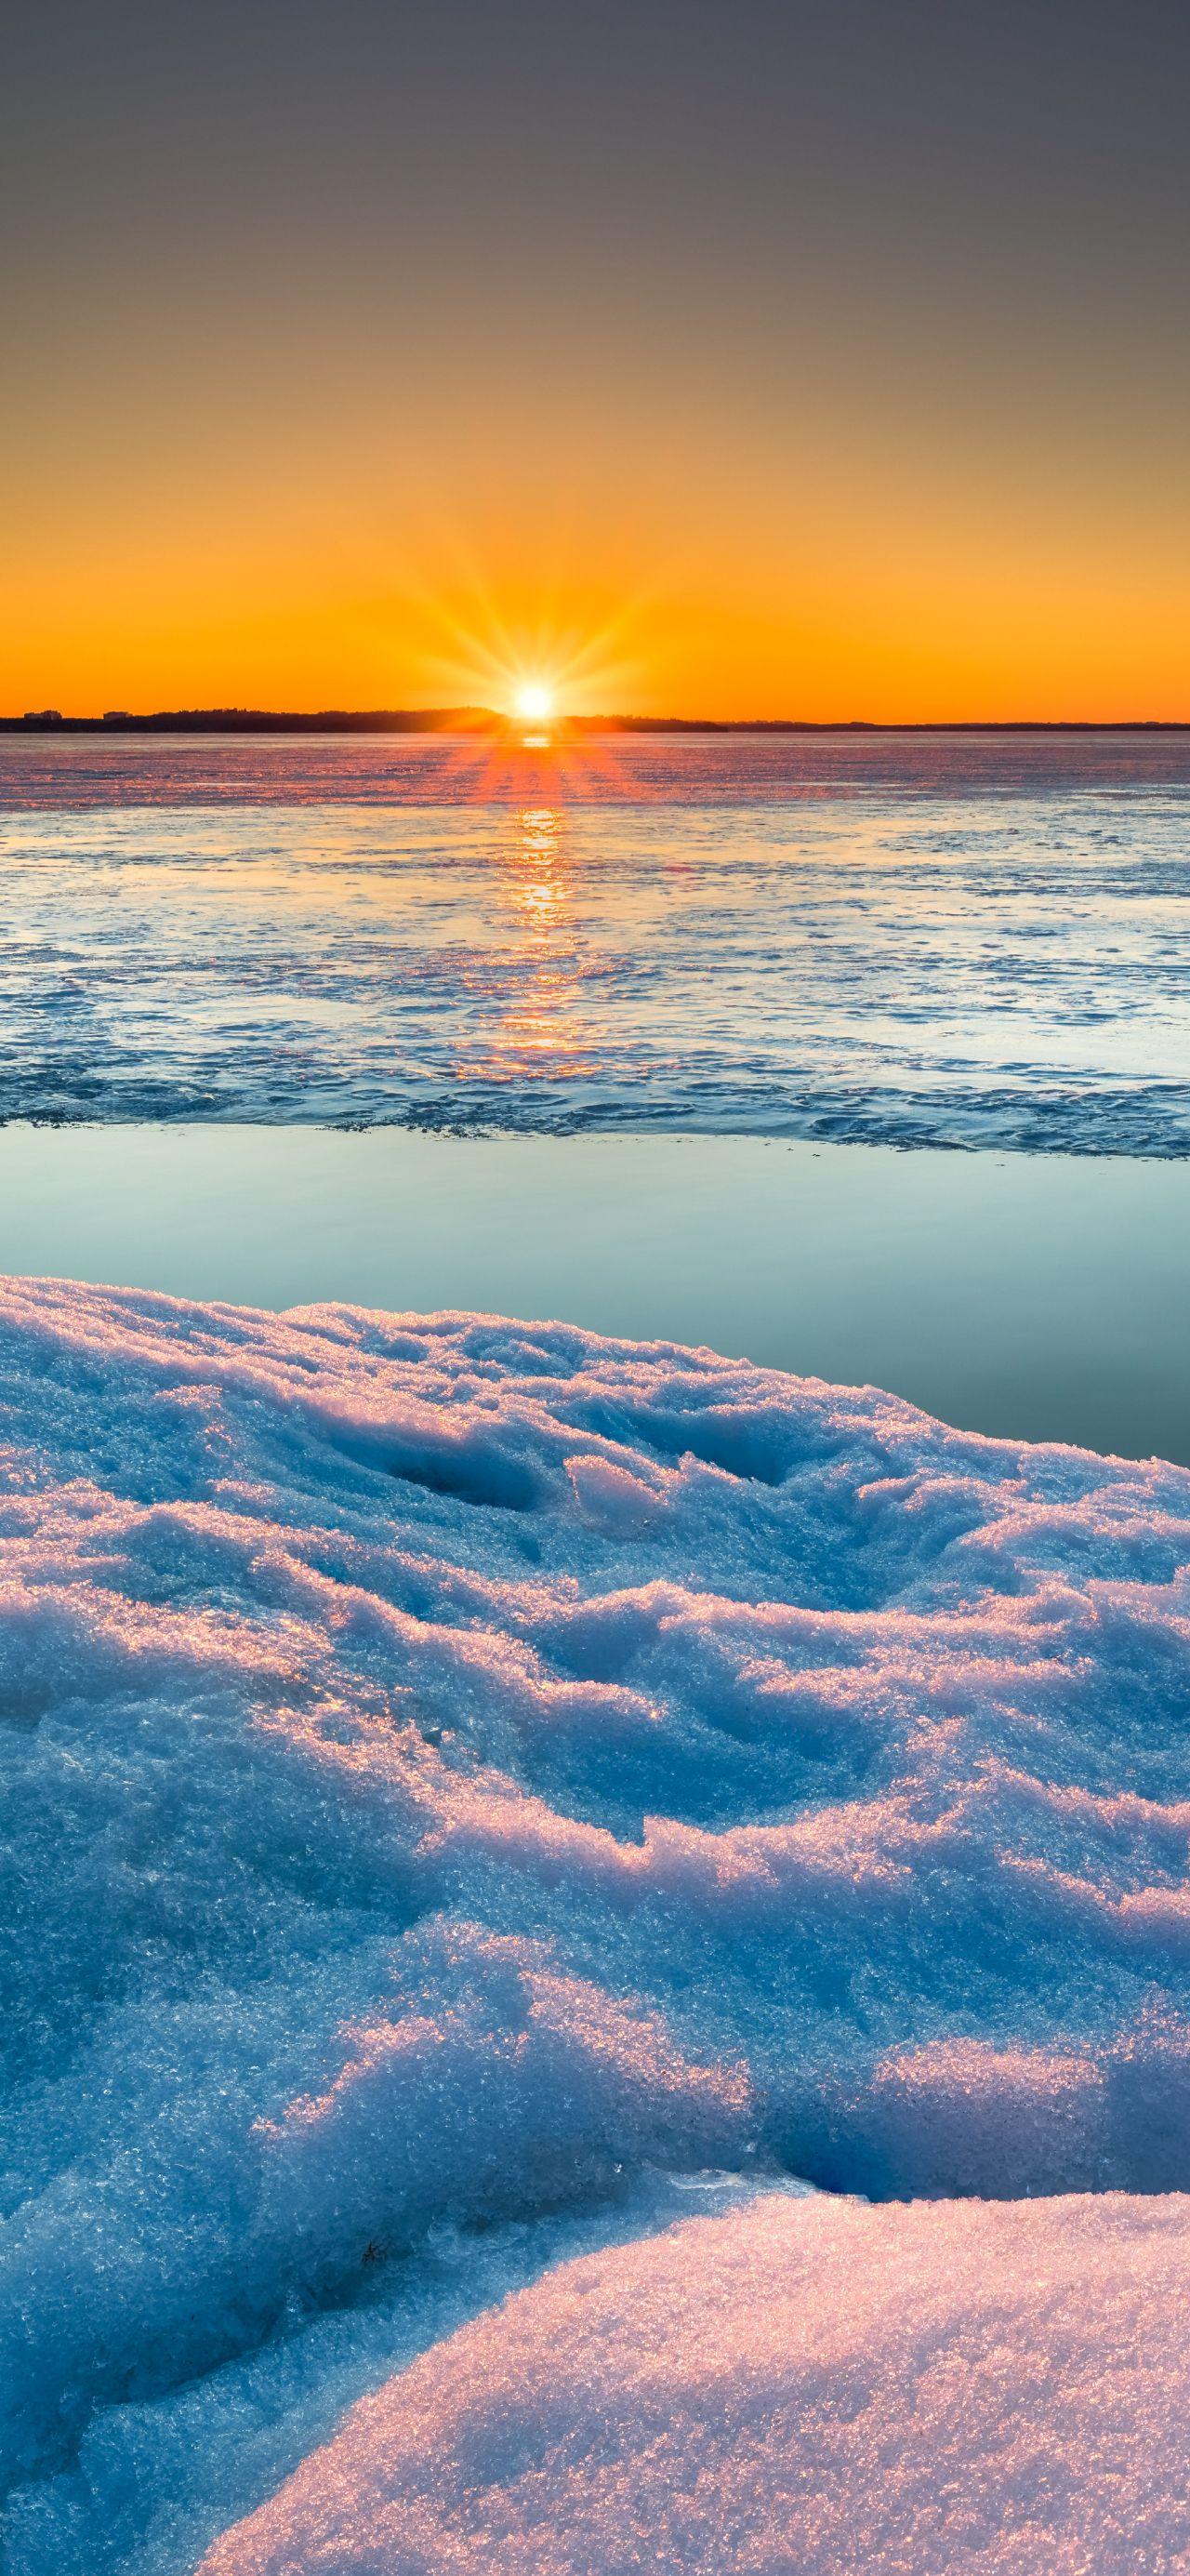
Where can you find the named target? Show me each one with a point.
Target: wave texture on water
(466, 1780)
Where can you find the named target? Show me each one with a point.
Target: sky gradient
(787, 360)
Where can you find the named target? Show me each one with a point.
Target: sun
(535, 701)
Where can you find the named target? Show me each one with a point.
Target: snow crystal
(949, 2389)
(460, 1773)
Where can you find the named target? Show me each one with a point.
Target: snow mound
(457, 1772)
(949, 2389)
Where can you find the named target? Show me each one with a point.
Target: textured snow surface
(804, 2387)
(461, 1773)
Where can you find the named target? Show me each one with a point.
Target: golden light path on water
(947, 941)
(536, 1035)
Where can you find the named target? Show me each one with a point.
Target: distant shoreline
(483, 722)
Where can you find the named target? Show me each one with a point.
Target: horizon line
(485, 720)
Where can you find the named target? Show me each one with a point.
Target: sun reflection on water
(539, 983)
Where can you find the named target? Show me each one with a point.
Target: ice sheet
(904, 940)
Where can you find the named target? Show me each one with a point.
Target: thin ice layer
(903, 940)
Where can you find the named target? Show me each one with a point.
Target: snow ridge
(466, 1777)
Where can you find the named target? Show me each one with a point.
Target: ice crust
(797, 2390)
(919, 940)
(465, 1777)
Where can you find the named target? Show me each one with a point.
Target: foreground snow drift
(461, 1772)
(806, 2386)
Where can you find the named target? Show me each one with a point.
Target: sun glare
(534, 701)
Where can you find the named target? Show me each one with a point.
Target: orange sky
(840, 381)
(817, 592)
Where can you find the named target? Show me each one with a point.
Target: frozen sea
(945, 939)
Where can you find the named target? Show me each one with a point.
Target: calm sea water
(949, 939)
(1042, 1297)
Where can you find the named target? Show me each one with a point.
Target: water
(951, 939)
(214, 948)
(1038, 1297)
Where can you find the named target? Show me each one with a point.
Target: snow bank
(458, 1772)
(949, 2389)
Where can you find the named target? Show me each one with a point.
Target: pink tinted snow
(509, 1764)
(945, 2389)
